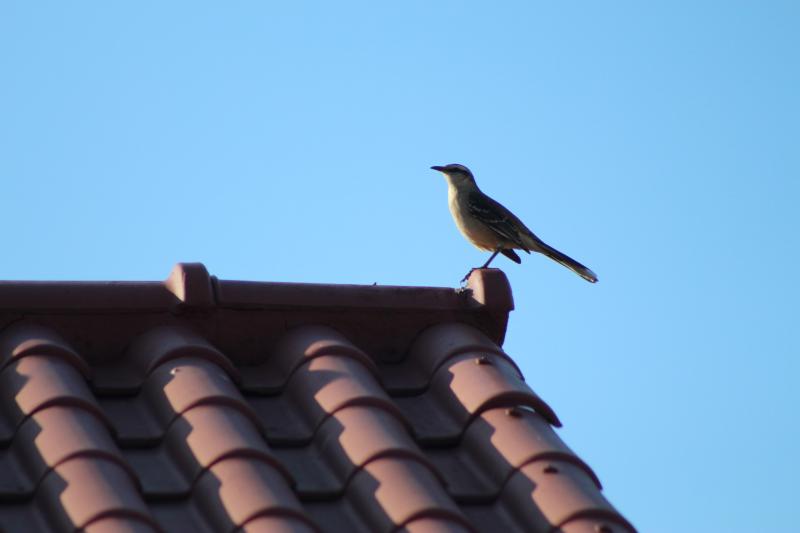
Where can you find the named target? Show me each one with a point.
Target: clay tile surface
(199, 404)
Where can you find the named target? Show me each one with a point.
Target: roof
(199, 404)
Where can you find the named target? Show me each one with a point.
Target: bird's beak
(435, 167)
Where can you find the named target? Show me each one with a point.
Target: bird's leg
(486, 264)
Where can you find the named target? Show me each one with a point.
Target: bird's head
(457, 175)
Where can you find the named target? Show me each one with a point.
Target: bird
(489, 226)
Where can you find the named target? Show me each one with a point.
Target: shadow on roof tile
(432, 349)
(294, 349)
(546, 495)
(317, 389)
(465, 386)
(345, 443)
(494, 446)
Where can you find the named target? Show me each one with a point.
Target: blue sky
(656, 142)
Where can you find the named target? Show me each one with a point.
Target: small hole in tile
(550, 469)
(514, 411)
(602, 528)
(483, 360)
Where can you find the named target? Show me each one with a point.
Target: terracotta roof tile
(391, 492)
(236, 490)
(162, 344)
(25, 339)
(437, 344)
(314, 392)
(36, 382)
(553, 493)
(462, 388)
(493, 447)
(277, 524)
(119, 525)
(434, 525)
(115, 524)
(297, 347)
(56, 434)
(83, 489)
(343, 444)
(207, 405)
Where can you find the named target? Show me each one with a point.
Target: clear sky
(657, 142)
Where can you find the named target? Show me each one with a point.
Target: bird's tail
(570, 263)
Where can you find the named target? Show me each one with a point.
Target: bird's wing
(511, 254)
(495, 217)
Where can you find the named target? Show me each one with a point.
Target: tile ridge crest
(438, 513)
(345, 352)
(75, 403)
(514, 400)
(289, 513)
(124, 513)
(611, 515)
(475, 347)
(35, 339)
(147, 351)
(256, 455)
(555, 456)
(237, 404)
(102, 455)
(384, 404)
(416, 456)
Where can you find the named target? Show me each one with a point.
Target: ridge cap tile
(81, 297)
(489, 288)
(260, 294)
(191, 285)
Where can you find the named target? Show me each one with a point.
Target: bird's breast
(474, 231)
